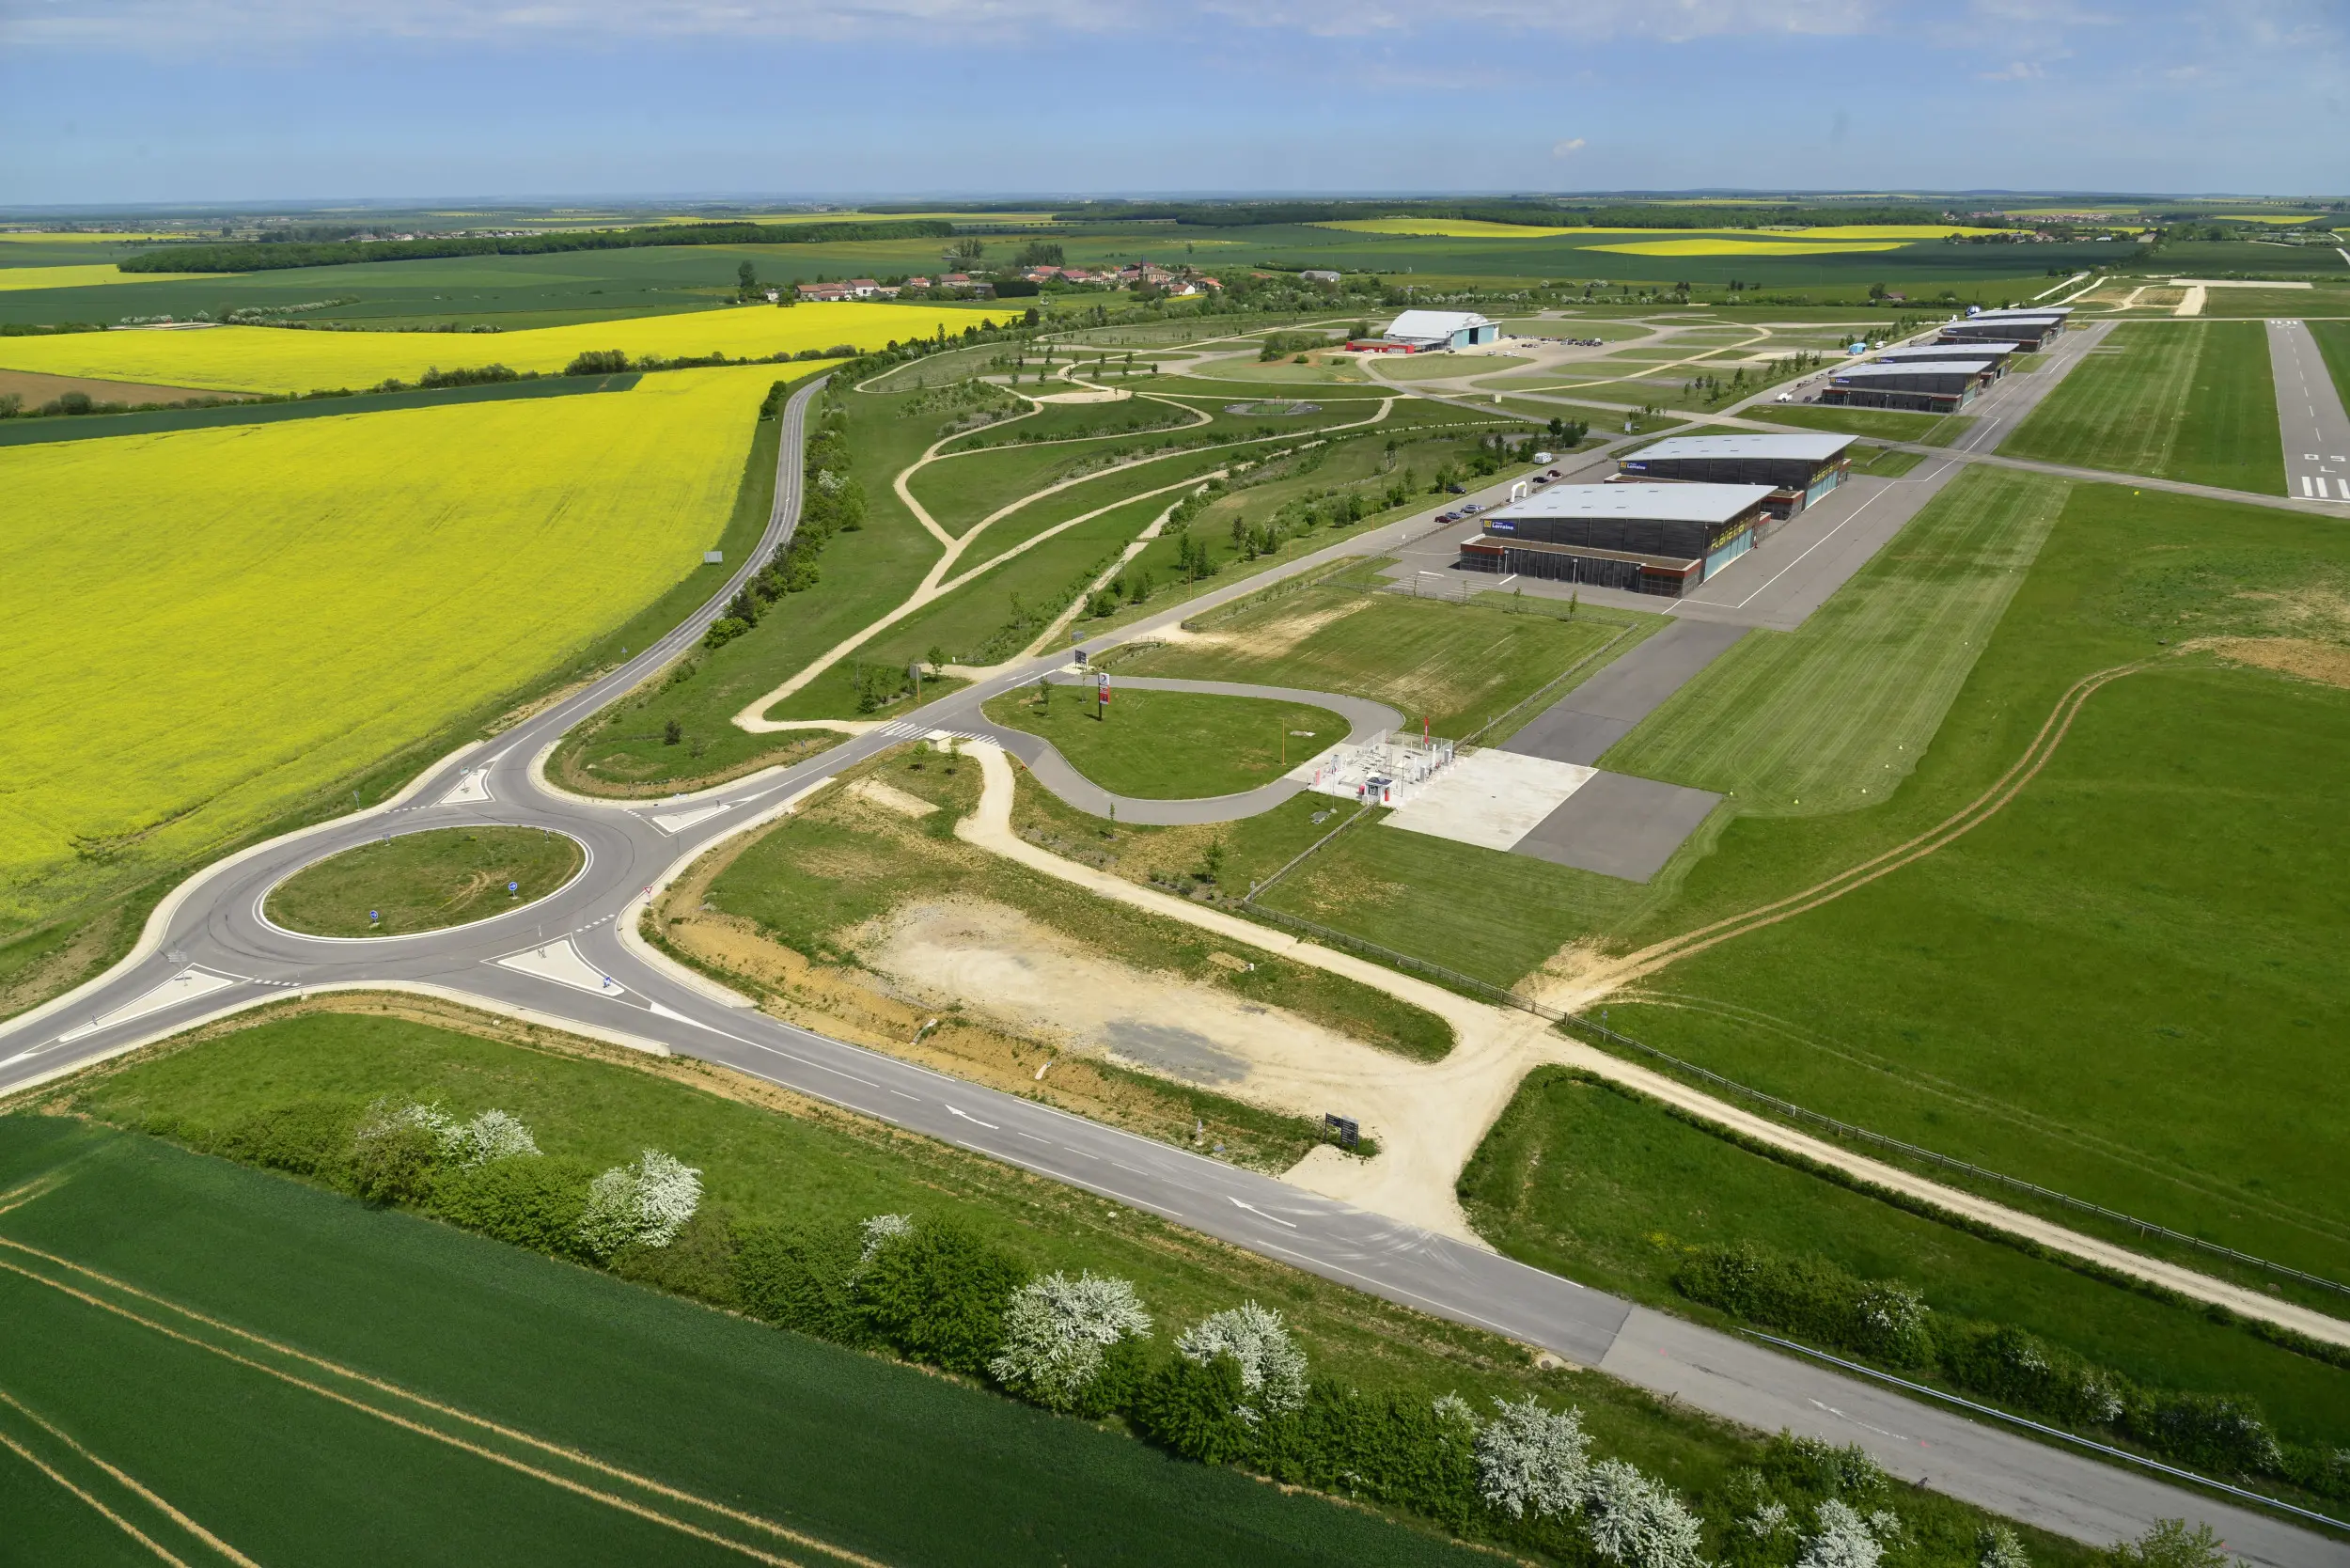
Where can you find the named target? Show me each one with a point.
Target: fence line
(1471, 986)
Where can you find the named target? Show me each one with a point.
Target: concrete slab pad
(1490, 798)
(1619, 826)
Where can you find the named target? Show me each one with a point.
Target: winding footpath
(573, 960)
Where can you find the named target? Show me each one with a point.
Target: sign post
(1102, 695)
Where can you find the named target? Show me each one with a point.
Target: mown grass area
(862, 574)
(996, 613)
(822, 1441)
(1616, 1190)
(445, 876)
(2176, 400)
(322, 604)
(1170, 746)
(1833, 716)
(2333, 345)
(2122, 986)
(1886, 424)
(814, 881)
(1457, 666)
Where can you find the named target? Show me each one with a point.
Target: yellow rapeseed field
(201, 628)
(1749, 248)
(81, 276)
(275, 359)
(1884, 231)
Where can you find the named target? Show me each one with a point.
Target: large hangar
(1655, 538)
(1799, 469)
(1921, 385)
(1424, 331)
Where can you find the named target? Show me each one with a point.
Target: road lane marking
(1254, 1210)
(973, 1120)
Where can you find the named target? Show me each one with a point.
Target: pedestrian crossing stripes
(902, 731)
(2314, 488)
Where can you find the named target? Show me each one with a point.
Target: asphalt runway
(573, 960)
(2310, 415)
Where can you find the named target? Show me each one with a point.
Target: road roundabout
(574, 959)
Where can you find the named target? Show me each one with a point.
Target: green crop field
(208, 629)
(1457, 666)
(446, 876)
(1834, 716)
(308, 1380)
(2184, 400)
(2122, 985)
(1171, 745)
(1611, 1189)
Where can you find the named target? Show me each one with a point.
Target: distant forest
(262, 256)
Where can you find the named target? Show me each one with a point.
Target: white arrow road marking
(1259, 1212)
(973, 1120)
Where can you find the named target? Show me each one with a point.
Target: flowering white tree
(1844, 1539)
(648, 1202)
(1637, 1522)
(1531, 1458)
(2001, 1549)
(1057, 1332)
(491, 1135)
(1769, 1522)
(879, 1231)
(1272, 1367)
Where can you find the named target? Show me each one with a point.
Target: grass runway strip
(2190, 401)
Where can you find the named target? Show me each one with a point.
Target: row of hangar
(1671, 515)
(1675, 513)
(1945, 375)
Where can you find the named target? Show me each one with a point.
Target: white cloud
(2014, 71)
(1567, 150)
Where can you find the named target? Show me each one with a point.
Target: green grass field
(2121, 986)
(212, 628)
(665, 1414)
(2191, 402)
(1834, 716)
(446, 876)
(1609, 1188)
(1459, 668)
(1170, 746)
(2333, 344)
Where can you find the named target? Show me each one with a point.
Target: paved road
(2310, 415)
(571, 959)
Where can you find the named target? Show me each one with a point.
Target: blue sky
(229, 100)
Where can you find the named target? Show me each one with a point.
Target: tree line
(267, 256)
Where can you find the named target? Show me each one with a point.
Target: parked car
(1473, 505)
(1552, 475)
(1784, 398)
(1457, 489)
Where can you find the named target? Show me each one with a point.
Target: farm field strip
(279, 359)
(81, 276)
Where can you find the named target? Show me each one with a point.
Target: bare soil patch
(36, 389)
(2304, 658)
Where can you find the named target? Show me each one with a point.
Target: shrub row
(1888, 1322)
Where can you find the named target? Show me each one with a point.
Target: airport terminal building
(1654, 539)
(1799, 469)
